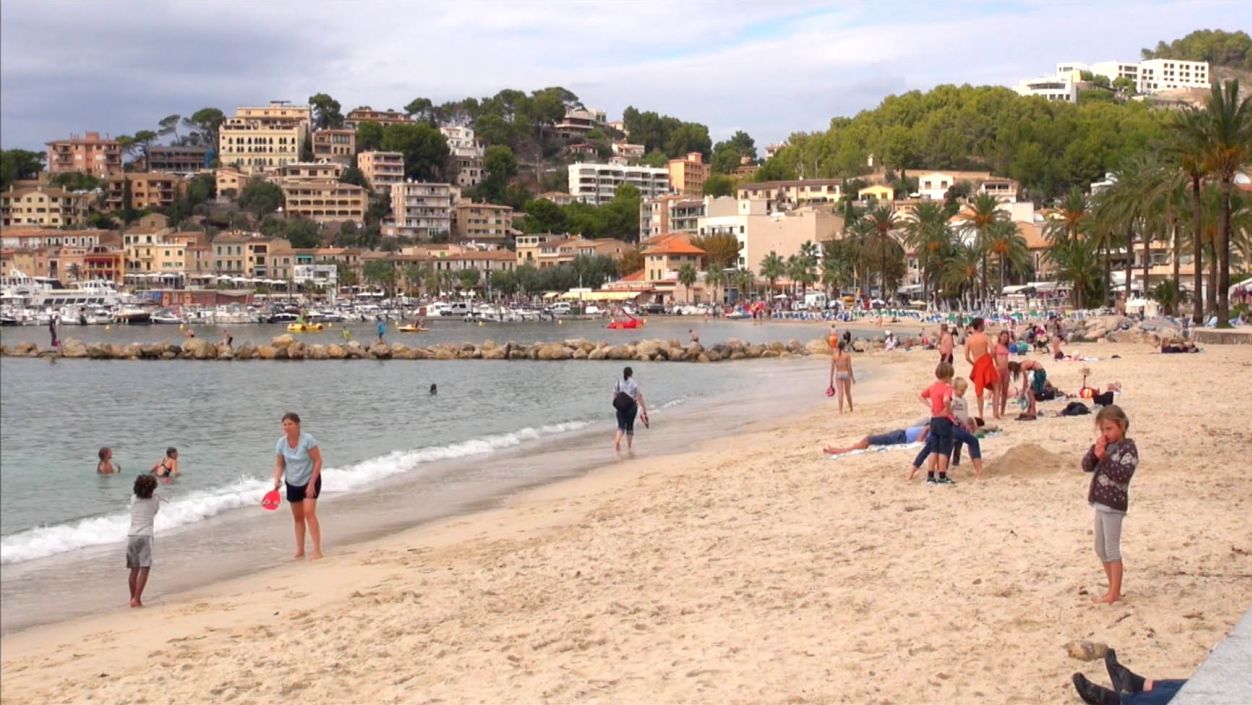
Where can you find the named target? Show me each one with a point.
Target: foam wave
(45, 541)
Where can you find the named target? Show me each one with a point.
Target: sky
(769, 68)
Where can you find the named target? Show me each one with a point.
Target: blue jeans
(1161, 693)
(959, 436)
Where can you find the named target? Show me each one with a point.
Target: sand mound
(1029, 460)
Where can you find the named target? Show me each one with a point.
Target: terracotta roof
(1034, 236)
(674, 245)
(633, 277)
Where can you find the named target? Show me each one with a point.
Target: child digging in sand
(1112, 458)
(143, 510)
(939, 397)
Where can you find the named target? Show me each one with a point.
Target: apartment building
(665, 255)
(675, 213)
(1053, 88)
(627, 153)
(244, 254)
(761, 230)
(230, 181)
(38, 238)
(88, 154)
(338, 145)
(422, 210)
(467, 154)
(43, 206)
(164, 252)
(153, 190)
(359, 116)
(181, 161)
(596, 184)
(381, 169)
(482, 222)
(257, 140)
(1156, 75)
(87, 264)
(877, 192)
(785, 195)
(579, 121)
(325, 200)
(557, 251)
(688, 174)
(307, 171)
(529, 246)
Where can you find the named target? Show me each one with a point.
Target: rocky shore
(287, 347)
(1112, 329)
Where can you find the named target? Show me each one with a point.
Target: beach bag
(1075, 408)
(622, 401)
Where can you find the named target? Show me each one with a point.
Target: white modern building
(1051, 87)
(760, 231)
(597, 183)
(1156, 75)
(467, 154)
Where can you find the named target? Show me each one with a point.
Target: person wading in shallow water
(628, 401)
(299, 460)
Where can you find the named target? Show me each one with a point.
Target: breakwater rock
(287, 347)
(1121, 329)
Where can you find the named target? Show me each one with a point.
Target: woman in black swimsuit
(167, 468)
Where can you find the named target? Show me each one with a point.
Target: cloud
(770, 69)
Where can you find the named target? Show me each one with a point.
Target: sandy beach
(750, 570)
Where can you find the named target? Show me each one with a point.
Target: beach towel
(984, 375)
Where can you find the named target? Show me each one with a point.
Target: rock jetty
(287, 347)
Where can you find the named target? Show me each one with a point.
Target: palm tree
(1078, 262)
(772, 267)
(928, 233)
(745, 281)
(960, 270)
(1187, 150)
(882, 221)
(1005, 241)
(715, 278)
(687, 276)
(983, 214)
(1071, 219)
(1228, 147)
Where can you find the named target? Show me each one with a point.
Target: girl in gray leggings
(1112, 460)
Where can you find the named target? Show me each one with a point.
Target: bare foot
(912, 473)
(1105, 599)
(298, 556)
(134, 602)
(316, 555)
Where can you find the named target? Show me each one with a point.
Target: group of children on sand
(1111, 459)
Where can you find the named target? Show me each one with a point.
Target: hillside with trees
(1220, 48)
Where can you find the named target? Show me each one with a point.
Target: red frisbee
(271, 500)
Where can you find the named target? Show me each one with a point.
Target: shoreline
(720, 575)
(387, 503)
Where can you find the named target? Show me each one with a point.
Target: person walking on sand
(298, 459)
(841, 376)
(946, 344)
(983, 373)
(1112, 460)
(143, 510)
(628, 401)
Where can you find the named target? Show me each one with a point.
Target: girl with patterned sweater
(1112, 459)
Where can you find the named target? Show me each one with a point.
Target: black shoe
(945, 480)
(1124, 680)
(1093, 694)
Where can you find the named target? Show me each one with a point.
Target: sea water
(395, 454)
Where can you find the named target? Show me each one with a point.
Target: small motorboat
(304, 327)
(411, 328)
